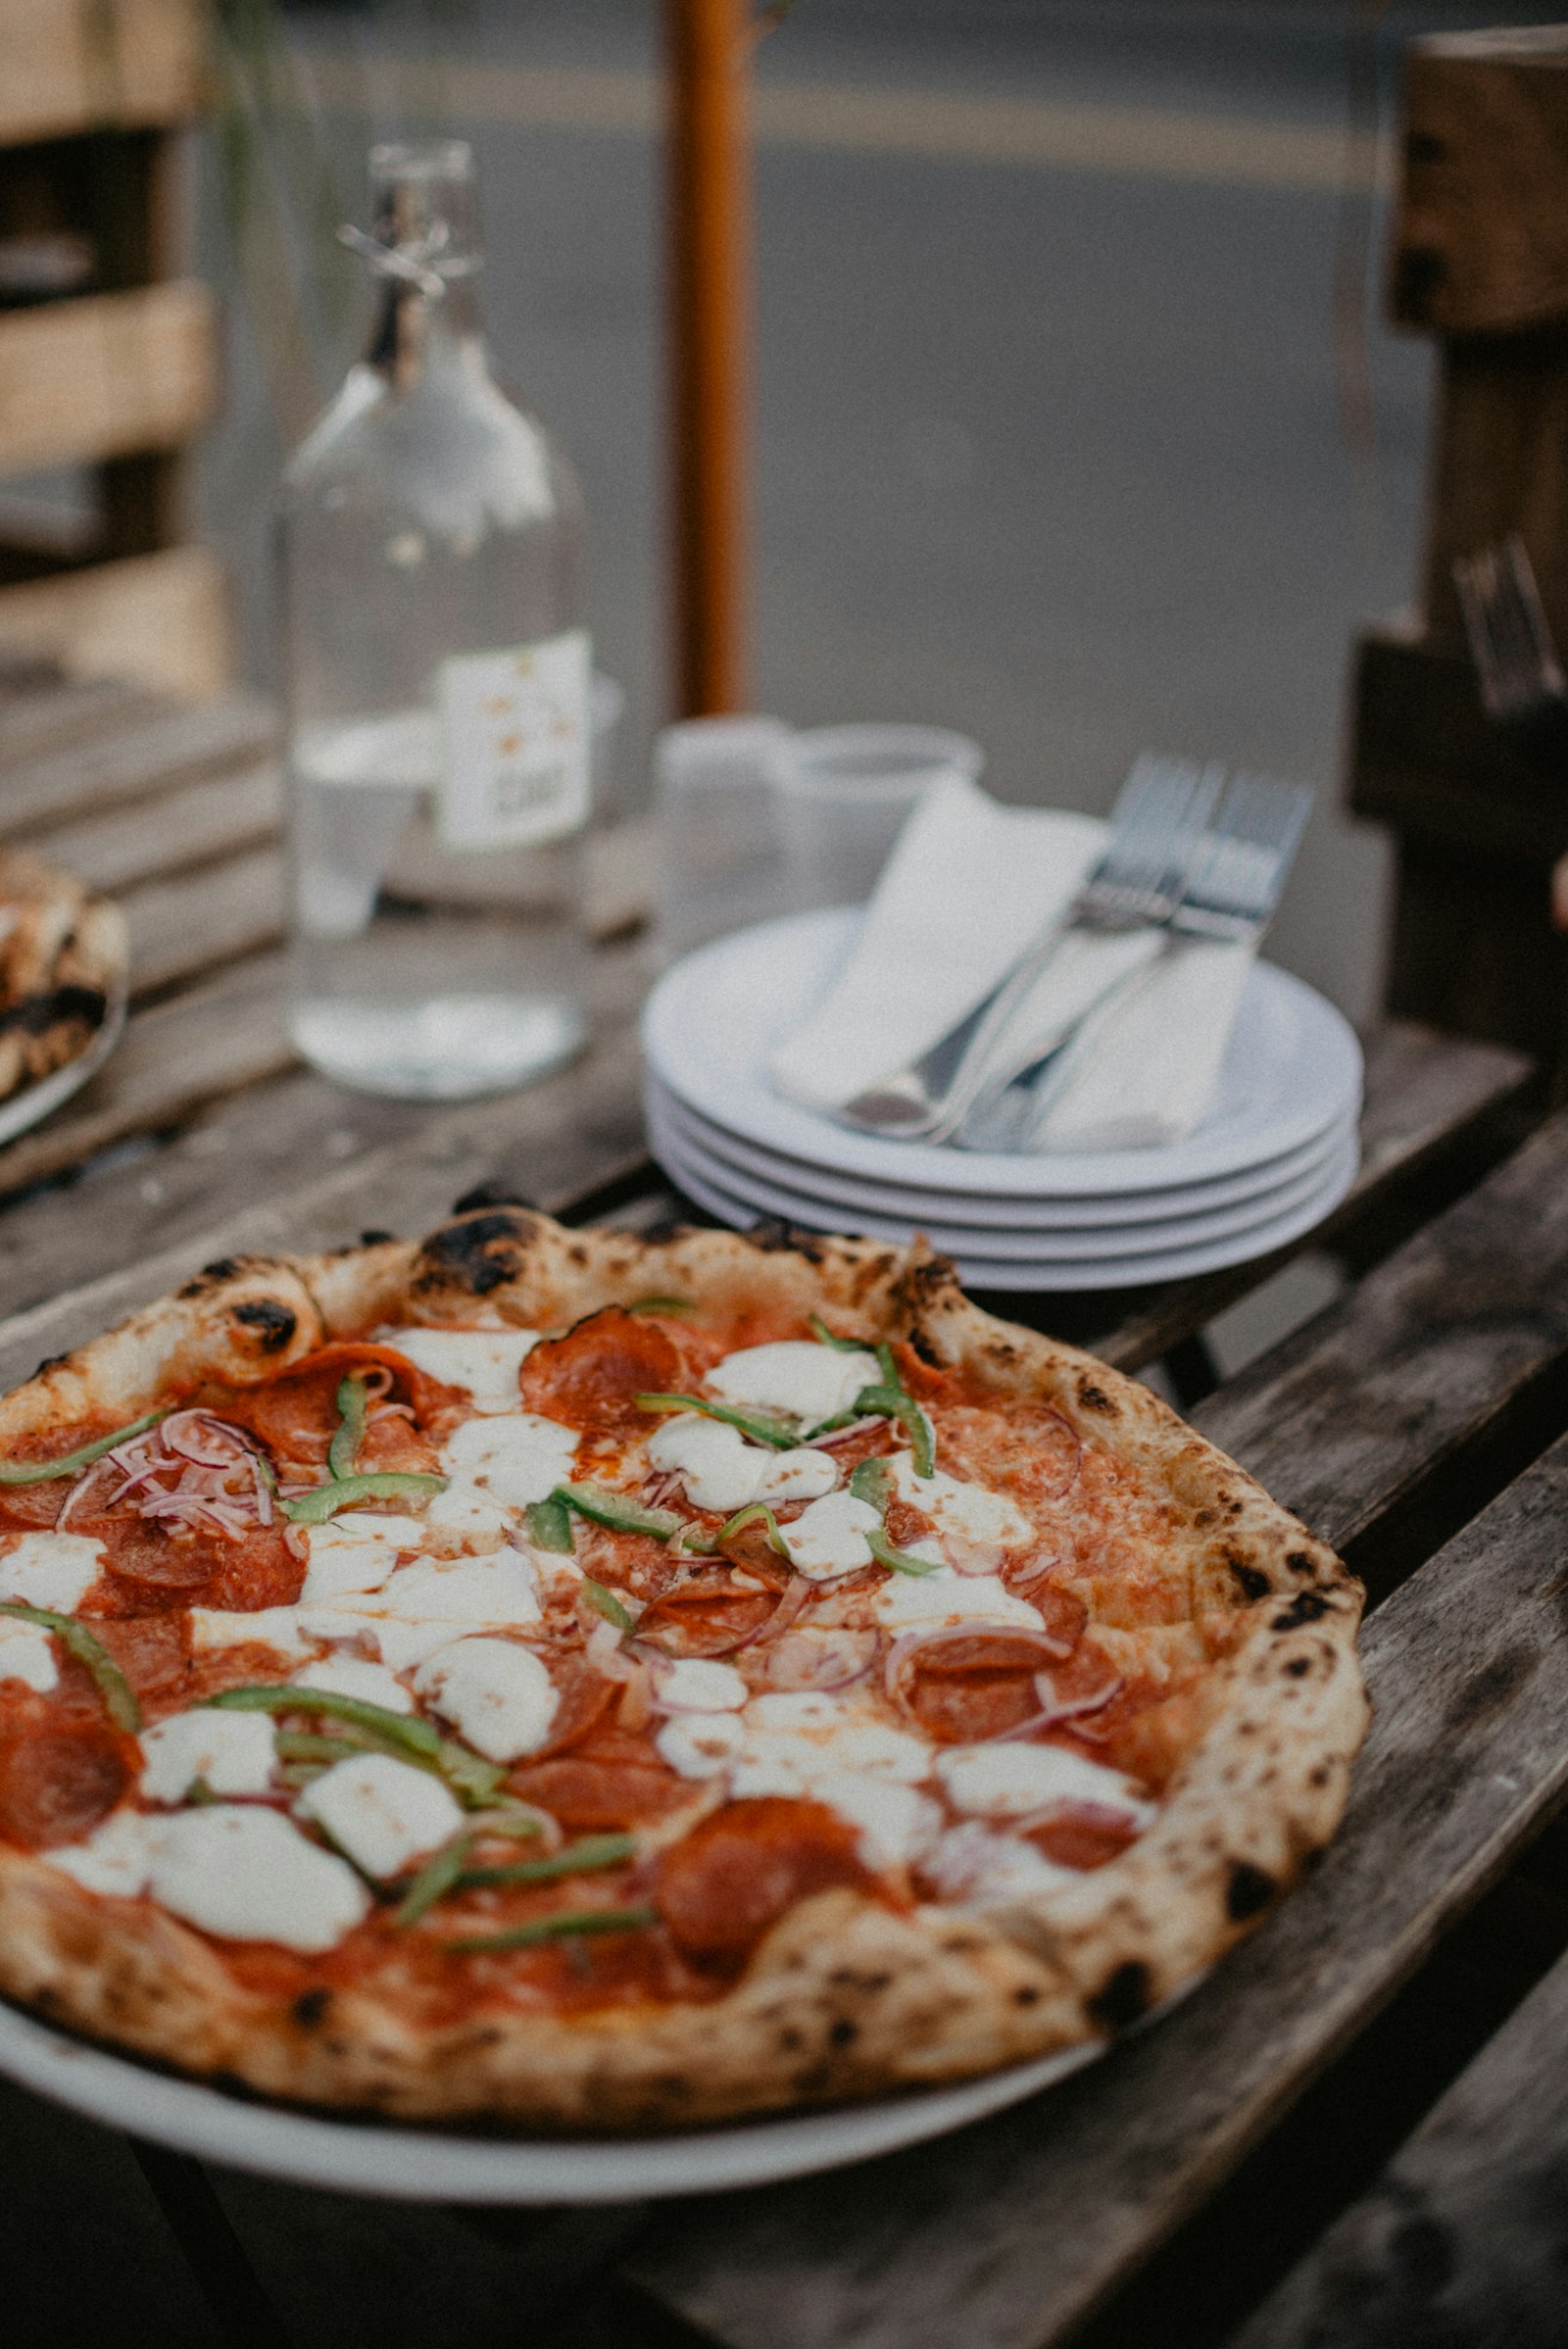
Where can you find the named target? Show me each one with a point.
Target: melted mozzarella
(355, 1552)
(50, 1570)
(356, 1676)
(117, 1857)
(895, 1822)
(277, 1628)
(512, 1459)
(425, 1605)
(699, 1685)
(808, 1380)
(464, 1509)
(231, 1752)
(28, 1655)
(498, 1695)
(721, 1471)
(1009, 1780)
(244, 1874)
(382, 1812)
(828, 1537)
(974, 1526)
(701, 1744)
(485, 1362)
(905, 1601)
(973, 1862)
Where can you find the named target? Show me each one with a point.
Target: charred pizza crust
(844, 1997)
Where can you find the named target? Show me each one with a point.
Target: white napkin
(969, 885)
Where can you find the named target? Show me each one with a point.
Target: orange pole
(708, 331)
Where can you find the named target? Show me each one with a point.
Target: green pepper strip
(316, 1507)
(614, 1510)
(892, 1403)
(41, 1472)
(663, 1304)
(550, 1525)
(402, 1729)
(761, 1431)
(474, 1780)
(434, 1880)
(824, 1337)
(901, 1562)
(756, 1512)
(606, 1603)
(871, 1483)
(579, 1859)
(557, 1928)
(119, 1697)
(353, 1404)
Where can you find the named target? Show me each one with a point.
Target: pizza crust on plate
(846, 1996)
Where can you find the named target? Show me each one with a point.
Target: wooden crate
(108, 357)
(1479, 257)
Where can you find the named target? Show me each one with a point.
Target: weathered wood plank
(106, 375)
(172, 748)
(170, 1059)
(1420, 1361)
(1461, 2239)
(163, 618)
(1426, 1095)
(189, 825)
(67, 69)
(1007, 2235)
(183, 927)
(303, 1165)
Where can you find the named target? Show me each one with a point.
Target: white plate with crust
(420, 2164)
(30, 1105)
(1291, 1074)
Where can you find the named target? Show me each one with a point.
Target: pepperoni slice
(148, 1563)
(56, 1784)
(296, 1416)
(586, 1792)
(33, 1504)
(723, 1885)
(964, 1690)
(585, 1700)
(1084, 1835)
(151, 1650)
(703, 1617)
(1064, 1612)
(589, 1378)
(1026, 1450)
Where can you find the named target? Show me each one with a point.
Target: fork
(1233, 884)
(1157, 822)
(1521, 677)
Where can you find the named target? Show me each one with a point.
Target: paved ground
(1048, 438)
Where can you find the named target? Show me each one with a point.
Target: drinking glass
(844, 796)
(719, 858)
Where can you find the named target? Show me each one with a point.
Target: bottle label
(517, 744)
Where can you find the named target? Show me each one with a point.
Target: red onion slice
(1054, 1715)
(857, 1427)
(943, 1634)
(829, 1659)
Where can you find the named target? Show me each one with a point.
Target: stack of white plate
(1276, 1151)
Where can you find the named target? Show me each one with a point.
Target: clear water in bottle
(438, 683)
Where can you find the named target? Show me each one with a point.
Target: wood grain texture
(181, 928)
(122, 62)
(164, 751)
(163, 619)
(1480, 244)
(193, 825)
(106, 375)
(1460, 2242)
(1426, 1095)
(1005, 2235)
(1419, 1362)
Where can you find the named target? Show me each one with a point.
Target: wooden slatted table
(1358, 2113)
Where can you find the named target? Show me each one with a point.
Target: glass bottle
(438, 684)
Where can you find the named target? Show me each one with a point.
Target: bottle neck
(415, 331)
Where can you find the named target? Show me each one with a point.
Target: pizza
(63, 958)
(561, 1680)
